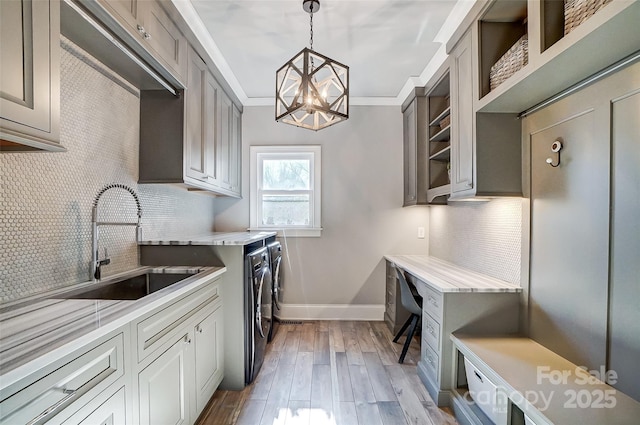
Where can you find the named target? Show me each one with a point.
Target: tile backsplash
(481, 236)
(46, 198)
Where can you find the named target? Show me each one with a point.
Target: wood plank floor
(331, 373)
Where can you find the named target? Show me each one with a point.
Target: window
(285, 189)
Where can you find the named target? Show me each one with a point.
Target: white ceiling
(390, 46)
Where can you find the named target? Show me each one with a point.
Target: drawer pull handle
(52, 409)
(199, 329)
(146, 36)
(430, 360)
(187, 340)
(433, 301)
(430, 329)
(140, 29)
(478, 376)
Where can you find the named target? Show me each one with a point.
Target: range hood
(84, 29)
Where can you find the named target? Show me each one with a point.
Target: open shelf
(503, 24)
(441, 154)
(439, 114)
(442, 135)
(436, 121)
(567, 59)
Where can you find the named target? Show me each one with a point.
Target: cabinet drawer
(46, 397)
(432, 362)
(158, 328)
(432, 302)
(431, 331)
(110, 412)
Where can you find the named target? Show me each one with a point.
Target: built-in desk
(455, 298)
(542, 385)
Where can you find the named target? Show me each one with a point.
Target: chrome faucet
(96, 263)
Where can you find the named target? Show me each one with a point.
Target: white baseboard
(331, 312)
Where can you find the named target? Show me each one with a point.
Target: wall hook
(556, 147)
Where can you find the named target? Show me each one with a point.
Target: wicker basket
(578, 11)
(512, 61)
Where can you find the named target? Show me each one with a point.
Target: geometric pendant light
(312, 90)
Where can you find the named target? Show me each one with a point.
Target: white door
(164, 386)
(209, 357)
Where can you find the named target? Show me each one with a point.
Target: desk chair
(413, 304)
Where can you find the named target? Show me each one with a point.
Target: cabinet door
(462, 115)
(164, 386)
(208, 357)
(225, 136)
(210, 123)
(624, 350)
(163, 37)
(410, 152)
(235, 164)
(126, 11)
(29, 75)
(195, 143)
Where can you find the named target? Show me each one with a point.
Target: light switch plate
(420, 232)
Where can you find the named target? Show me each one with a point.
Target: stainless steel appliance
(275, 260)
(259, 310)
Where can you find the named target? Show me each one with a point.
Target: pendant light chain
(311, 27)
(311, 34)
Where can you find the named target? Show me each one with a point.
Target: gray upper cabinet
(485, 147)
(150, 26)
(201, 119)
(414, 128)
(193, 139)
(228, 146)
(30, 76)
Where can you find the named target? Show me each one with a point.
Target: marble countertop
(43, 329)
(214, 238)
(443, 276)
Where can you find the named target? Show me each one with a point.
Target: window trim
(314, 229)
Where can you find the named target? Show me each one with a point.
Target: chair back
(408, 300)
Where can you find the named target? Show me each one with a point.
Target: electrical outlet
(420, 232)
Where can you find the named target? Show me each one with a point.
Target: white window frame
(311, 152)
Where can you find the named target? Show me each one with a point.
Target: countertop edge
(481, 283)
(213, 239)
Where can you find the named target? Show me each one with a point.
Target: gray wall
(362, 215)
(482, 236)
(46, 198)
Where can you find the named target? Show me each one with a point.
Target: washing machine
(259, 309)
(275, 260)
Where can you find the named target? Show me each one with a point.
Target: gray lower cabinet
(30, 76)
(584, 265)
(395, 315)
(468, 312)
